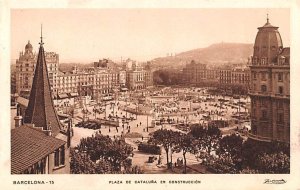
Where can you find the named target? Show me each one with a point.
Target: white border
(212, 181)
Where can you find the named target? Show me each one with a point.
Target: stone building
(270, 86)
(198, 74)
(225, 76)
(40, 143)
(138, 77)
(240, 76)
(25, 66)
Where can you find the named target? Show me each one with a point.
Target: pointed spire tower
(40, 110)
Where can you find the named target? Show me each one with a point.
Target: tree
(252, 150)
(103, 149)
(221, 164)
(117, 153)
(207, 139)
(275, 163)
(186, 143)
(162, 137)
(175, 135)
(231, 146)
(81, 163)
(228, 158)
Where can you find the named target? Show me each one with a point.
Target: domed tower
(270, 87)
(28, 48)
(268, 44)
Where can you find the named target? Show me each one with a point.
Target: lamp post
(147, 123)
(104, 110)
(126, 107)
(136, 110)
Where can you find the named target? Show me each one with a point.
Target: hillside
(215, 54)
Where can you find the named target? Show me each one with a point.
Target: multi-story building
(138, 77)
(25, 66)
(240, 76)
(194, 73)
(212, 76)
(270, 86)
(199, 74)
(104, 78)
(225, 76)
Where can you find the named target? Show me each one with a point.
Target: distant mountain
(216, 54)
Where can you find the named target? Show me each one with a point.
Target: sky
(87, 35)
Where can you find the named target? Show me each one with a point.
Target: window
(279, 105)
(263, 88)
(280, 90)
(280, 77)
(280, 118)
(254, 87)
(62, 155)
(56, 158)
(263, 76)
(263, 61)
(273, 48)
(254, 75)
(264, 114)
(262, 103)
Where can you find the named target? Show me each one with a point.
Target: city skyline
(140, 34)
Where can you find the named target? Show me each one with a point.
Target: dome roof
(268, 42)
(28, 45)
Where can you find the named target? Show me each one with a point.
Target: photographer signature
(274, 181)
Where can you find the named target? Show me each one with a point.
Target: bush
(149, 148)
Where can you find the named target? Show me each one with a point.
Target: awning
(124, 89)
(73, 94)
(22, 101)
(63, 96)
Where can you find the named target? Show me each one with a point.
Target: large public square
(135, 115)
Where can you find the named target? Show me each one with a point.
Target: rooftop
(27, 151)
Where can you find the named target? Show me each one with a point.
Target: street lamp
(147, 123)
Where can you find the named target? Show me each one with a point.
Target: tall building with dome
(25, 66)
(270, 86)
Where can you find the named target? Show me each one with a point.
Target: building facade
(198, 74)
(25, 66)
(240, 76)
(270, 86)
(101, 80)
(225, 76)
(138, 77)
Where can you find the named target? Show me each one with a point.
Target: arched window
(263, 88)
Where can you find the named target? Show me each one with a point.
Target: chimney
(49, 129)
(18, 118)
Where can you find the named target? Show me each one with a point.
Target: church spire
(41, 43)
(40, 110)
